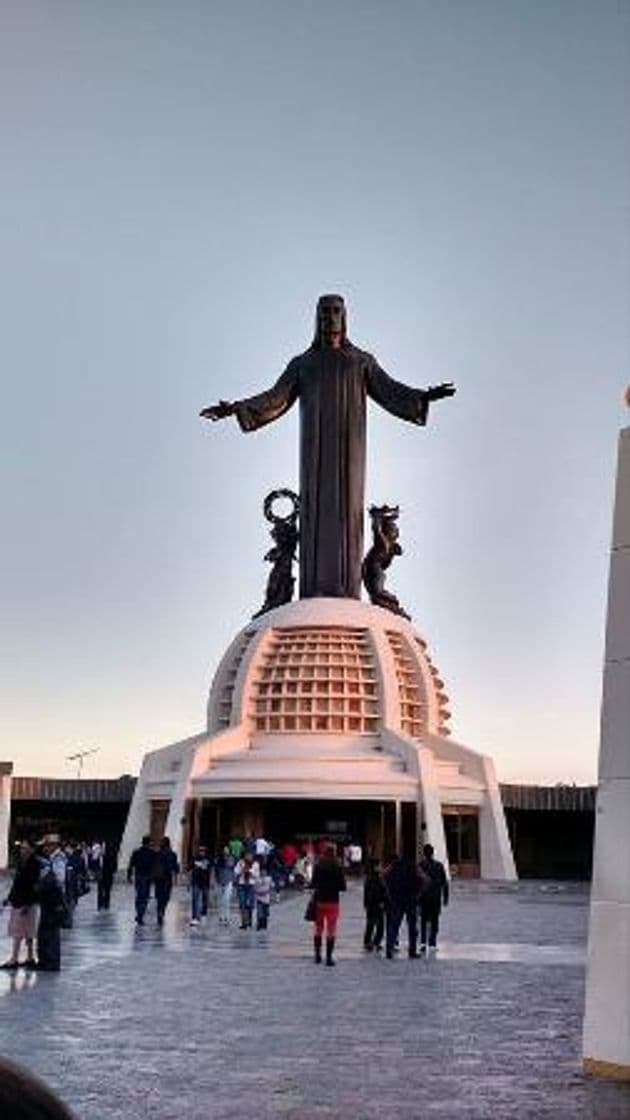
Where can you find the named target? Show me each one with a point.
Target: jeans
(395, 914)
(429, 916)
(103, 892)
(225, 897)
(246, 900)
(143, 890)
(262, 914)
(163, 889)
(199, 902)
(374, 925)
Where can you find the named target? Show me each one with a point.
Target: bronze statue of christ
(331, 380)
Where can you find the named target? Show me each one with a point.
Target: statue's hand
(437, 392)
(218, 411)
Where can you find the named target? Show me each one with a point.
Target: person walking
(328, 882)
(200, 884)
(224, 879)
(22, 898)
(246, 874)
(104, 869)
(434, 891)
(165, 872)
(402, 886)
(374, 906)
(140, 870)
(51, 897)
(262, 891)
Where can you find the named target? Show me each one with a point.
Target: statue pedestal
(328, 701)
(606, 1044)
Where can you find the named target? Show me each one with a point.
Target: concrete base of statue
(606, 1046)
(330, 700)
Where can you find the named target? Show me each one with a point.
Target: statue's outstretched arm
(254, 412)
(402, 400)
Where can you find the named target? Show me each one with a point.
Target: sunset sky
(179, 184)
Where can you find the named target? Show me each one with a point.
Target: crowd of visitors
(402, 890)
(49, 880)
(52, 876)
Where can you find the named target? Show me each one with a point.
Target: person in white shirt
(355, 857)
(246, 873)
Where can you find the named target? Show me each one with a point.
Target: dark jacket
(200, 872)
(165, 865)
(402, 883)
(23, 888)
(435, 884)
(141, 863)
(107, 865)
(51, 899)
(373, 891)
(328, 879)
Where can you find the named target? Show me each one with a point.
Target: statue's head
(330, 327)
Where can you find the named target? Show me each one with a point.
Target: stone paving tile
(219, 1024)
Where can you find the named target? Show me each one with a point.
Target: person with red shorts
(328, 882)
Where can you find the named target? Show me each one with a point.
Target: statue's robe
(332, 385)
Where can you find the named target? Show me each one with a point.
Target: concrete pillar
(606, 1042)
(6, 770)
(398, 826)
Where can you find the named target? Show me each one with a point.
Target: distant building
(550, 827)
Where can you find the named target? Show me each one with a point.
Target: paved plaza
(224, 1024)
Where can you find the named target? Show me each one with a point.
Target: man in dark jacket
(327, 883)
(141, 871)
(165, 872)
(434, 892)
(374, 906)
(402, 888)
(105, 868)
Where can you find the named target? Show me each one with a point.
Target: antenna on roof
(79, 756)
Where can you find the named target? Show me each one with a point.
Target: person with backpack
(434, 892)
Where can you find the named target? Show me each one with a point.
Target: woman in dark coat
(327, 883)
(52, 914)
(23, 902)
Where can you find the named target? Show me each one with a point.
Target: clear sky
(179, 182)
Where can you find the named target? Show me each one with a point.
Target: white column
(6, 769)
(606, 1043)
(398, 826)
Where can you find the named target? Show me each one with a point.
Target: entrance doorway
(461, 829)
(372, 824)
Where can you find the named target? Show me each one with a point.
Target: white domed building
(327, 717)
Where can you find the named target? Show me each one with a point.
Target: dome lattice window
(223, 717)
(316, 679)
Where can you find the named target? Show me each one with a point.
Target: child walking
(263, 888)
